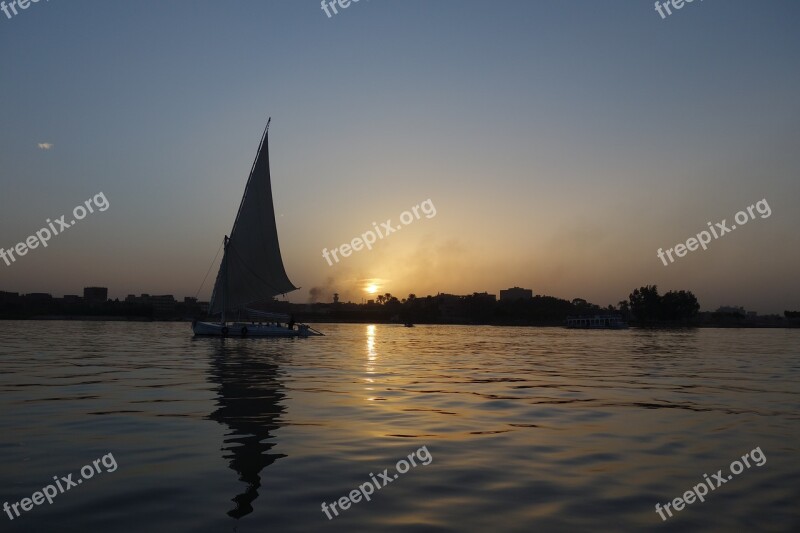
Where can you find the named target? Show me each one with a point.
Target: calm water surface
(530, 429)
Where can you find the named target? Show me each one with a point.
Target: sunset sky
(562, 143)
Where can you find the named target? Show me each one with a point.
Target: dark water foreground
(526, 429)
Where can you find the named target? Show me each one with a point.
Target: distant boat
(596, 322)
(252, 269)
(408, 325)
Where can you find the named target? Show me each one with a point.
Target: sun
(371, 288)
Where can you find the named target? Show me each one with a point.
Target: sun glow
(371, 288)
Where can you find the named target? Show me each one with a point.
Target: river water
(522, 429)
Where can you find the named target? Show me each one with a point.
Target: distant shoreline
(664, 326)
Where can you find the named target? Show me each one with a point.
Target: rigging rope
(209, 270)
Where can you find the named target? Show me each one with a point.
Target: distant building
(729, 310)
(450, 305)
(95, 295)
(72, 298)
(38, 297)
(454, 307)
(8, 296)
(163, 304)
(189, 307)
(515, 293)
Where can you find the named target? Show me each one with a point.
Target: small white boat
(252, 269)
(596, 322)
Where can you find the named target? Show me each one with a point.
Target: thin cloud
(45, 146)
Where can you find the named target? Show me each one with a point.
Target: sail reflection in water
(250, 396)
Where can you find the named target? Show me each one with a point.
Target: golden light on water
(372, 355)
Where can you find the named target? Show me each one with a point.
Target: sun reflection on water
(372, 356)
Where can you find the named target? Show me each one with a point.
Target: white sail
(252, 269)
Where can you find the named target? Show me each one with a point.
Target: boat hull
(240, 329)
(615, 326)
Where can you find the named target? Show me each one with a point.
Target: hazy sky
(562, 143)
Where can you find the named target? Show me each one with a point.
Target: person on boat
(290, 325)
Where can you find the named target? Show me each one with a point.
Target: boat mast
(224, 278)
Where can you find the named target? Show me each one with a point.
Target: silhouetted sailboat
(252, 268)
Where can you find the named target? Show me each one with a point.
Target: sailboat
(252, 269)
